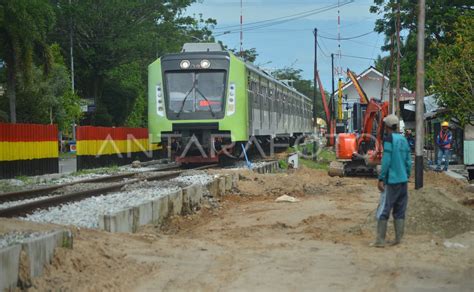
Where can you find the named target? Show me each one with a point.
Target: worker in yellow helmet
(444, 141)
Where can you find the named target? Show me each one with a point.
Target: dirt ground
(252, 243)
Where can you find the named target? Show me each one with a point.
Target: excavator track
(336, 168)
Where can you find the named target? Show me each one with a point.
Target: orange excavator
(360, 154)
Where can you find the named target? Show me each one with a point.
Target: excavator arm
(363, 96)
(325, 103)
(375, 113)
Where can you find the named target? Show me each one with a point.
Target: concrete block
(198, 197)
(121, 221)
(175, 203)
(192, 198)
(9, 267)
(145, 213)
(221, 186)
(213, 187)
(40, 250)
(228, 182)
(188, 193)
(235, 180)
(160, 209)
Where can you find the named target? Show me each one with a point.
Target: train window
(193, 91)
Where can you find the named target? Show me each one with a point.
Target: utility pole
(420, 94)
(397, 106)
(71, 50)
(390, 81)
(333, 107)
(332, 86)
(315, 76)
(241, 30)
(315, 122)
(71, 55)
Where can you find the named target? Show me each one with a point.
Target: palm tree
(24, 25)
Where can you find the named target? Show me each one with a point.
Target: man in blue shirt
(393, 179)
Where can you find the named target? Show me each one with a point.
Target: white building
(372, 81)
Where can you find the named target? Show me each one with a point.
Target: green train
(205, 97)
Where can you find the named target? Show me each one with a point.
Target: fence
(104, 146)
(28, 149)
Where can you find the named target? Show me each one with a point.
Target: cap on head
(391, 120)
(445, 124)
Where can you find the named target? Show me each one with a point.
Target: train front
(192, 104)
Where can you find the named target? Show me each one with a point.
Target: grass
(325, 157)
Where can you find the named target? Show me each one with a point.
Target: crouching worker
(393, 179)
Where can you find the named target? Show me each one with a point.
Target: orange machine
(360, 154)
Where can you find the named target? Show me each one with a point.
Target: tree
(48, 98)
(248, 55)
(452, 72)
(112, 37)
(440, 18)
(24, 25)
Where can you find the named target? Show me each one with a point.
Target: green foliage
(249, 55)
(283, 164)
(323, 160)
(453, 70)
(137, 117)
(115, 41)
(24, 25)
(440, 18)
(53, 99)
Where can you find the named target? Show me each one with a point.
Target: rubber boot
(399, 225)
(381, 231)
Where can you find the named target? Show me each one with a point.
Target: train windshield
(191, 92)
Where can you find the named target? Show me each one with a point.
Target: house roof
(366, 72)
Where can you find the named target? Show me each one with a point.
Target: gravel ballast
(12, 238)
(86, 213)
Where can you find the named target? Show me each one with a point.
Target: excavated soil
(252, 243)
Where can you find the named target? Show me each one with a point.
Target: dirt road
(252, 243)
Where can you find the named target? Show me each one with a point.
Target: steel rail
(23, 209)
(25, 194)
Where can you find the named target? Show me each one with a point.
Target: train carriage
(206, 94)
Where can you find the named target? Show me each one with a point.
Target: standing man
(444, 141)
(393, 178)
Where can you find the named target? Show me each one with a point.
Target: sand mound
(430, 210)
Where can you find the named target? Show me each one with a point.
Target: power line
(290, 17)
(358, 57)
(322, 51)
(277, 21)
(347, 38)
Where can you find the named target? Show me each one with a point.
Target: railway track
(25, 194)
(53, 200)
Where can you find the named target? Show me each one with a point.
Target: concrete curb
(39, 252)
(160, 209)
(175, 202)
(10, 265)
(192, 198)
(182, 202)
(268, 167)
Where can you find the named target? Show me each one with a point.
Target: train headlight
(159, 101)
(205, 64)
(231, 100)
(185, 64)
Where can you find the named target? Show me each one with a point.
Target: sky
(291, 43)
